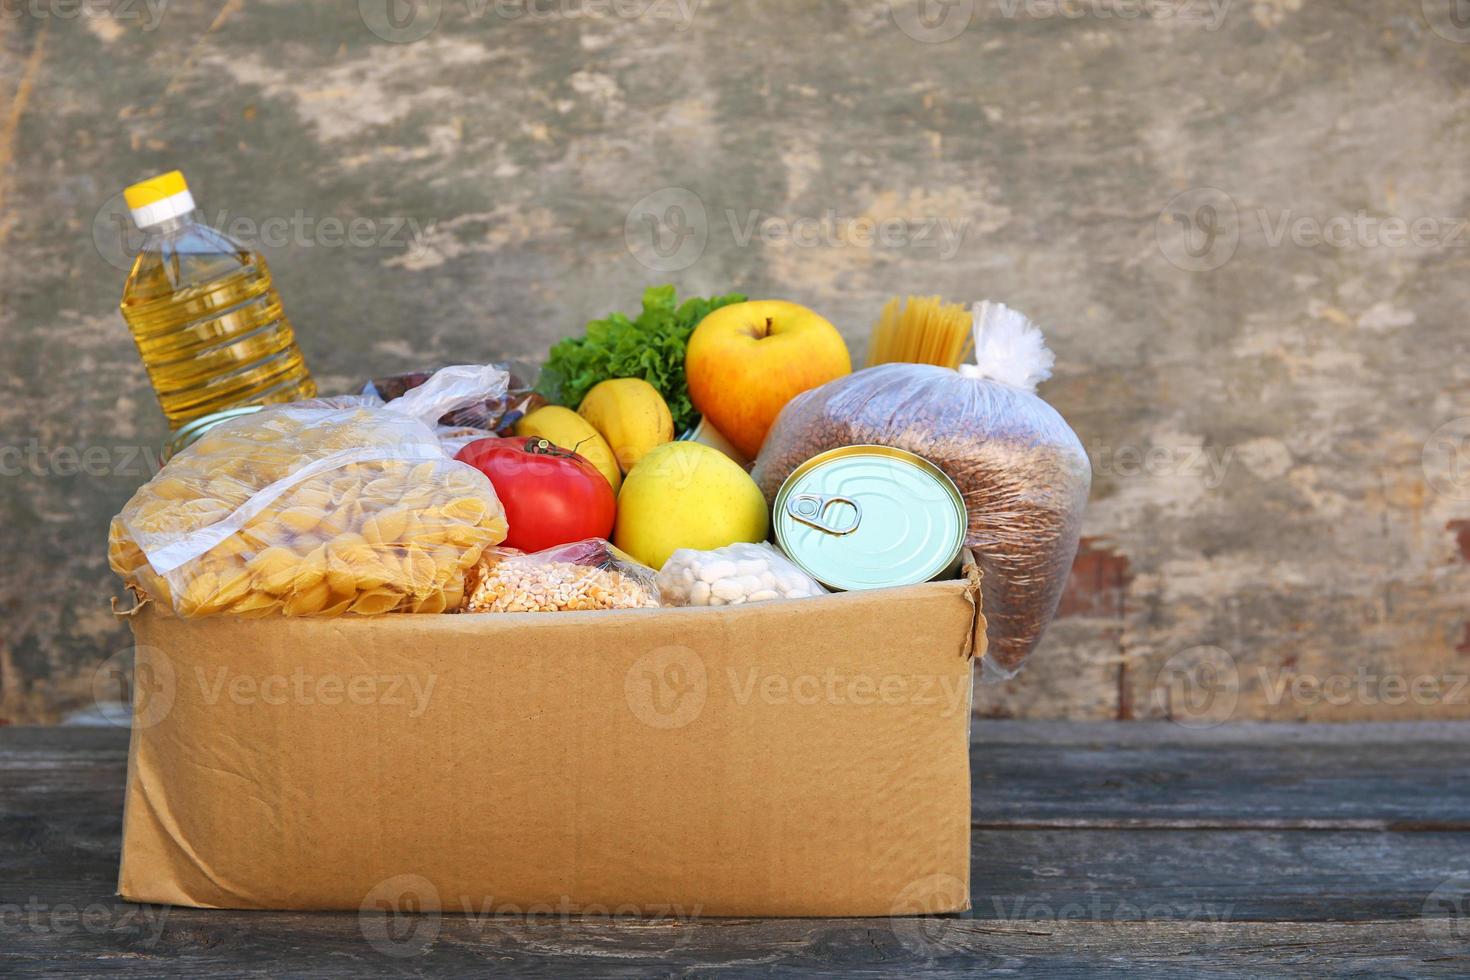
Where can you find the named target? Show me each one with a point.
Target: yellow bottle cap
(158, 198)
(155, 189)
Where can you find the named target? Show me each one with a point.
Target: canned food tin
(191, 431)
(869, 517)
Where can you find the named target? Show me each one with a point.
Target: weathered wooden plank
(1164, 733)
(267, 944)
(1172, 901)
(1107, 875)
(1373, 776)
(1213, 875)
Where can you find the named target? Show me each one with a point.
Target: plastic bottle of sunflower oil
(203, 312)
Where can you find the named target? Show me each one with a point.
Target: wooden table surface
(1099, 849)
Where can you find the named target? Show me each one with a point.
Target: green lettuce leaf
(650, 346)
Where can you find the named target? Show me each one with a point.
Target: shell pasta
(392, 527)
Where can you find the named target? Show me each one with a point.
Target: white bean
(716, 570)
(728, 589)
(733, 575)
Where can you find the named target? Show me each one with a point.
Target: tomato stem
(539, 446)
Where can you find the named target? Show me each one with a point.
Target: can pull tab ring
(808, 508)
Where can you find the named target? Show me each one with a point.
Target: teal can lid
(869, 517)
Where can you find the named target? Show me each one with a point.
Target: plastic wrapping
(493, 415)
(588, 574)
(319, 510)
(731, 576)
(1022, 470)
(454, 437)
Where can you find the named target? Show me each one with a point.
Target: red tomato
(551, 496)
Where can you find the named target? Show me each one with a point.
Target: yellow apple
(687, 495)
(747, 360)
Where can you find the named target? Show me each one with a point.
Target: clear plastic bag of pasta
(316, 510)
(1022, 470)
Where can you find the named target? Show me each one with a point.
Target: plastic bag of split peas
(316, 511)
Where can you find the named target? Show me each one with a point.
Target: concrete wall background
(1280, 426)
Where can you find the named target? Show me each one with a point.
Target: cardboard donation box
(804, 757)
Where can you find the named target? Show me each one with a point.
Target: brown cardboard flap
(973, 576)
(804, 757)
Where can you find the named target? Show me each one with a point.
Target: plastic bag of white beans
(732, 575)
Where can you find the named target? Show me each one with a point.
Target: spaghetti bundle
(925, 330)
